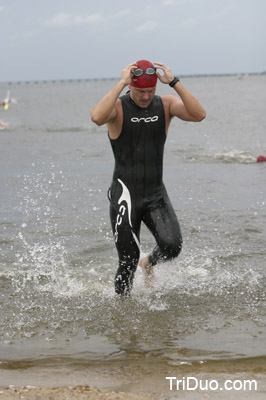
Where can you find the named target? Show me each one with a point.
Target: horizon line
(75, 80)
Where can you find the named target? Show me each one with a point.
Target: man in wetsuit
(138, 124)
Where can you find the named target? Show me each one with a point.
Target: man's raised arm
(105, 110)
(189, 109)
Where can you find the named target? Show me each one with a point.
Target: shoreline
(127, 383)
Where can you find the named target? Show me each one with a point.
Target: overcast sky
(63, 39)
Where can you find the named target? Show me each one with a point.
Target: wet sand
(69, 393)
(124, 384)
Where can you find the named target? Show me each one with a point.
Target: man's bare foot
(148, 271)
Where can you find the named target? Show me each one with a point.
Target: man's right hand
(127, 73)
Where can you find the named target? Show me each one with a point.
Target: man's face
(142, 97)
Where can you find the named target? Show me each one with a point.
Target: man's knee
(172, 248)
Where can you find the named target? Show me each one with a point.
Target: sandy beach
(69, 393)
(86, 392)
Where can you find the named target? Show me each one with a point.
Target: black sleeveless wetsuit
(137, 191)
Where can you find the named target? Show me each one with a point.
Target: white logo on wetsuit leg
(119, 220)
(125, 196)
(148, 119)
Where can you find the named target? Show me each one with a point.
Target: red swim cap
(144, 80)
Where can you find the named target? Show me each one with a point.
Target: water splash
(235, 156)
(45, 267)
(226, 156)
(42, 259)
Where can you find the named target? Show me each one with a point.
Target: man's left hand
(167, 77)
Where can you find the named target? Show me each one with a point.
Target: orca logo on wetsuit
(119, 220)
(122, 209)
(148, 119)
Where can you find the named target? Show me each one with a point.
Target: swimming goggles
(148, 71)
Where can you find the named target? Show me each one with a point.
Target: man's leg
(161, 220)
(126, 229)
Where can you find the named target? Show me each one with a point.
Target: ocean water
(58, 260)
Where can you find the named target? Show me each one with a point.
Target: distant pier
(56, 81)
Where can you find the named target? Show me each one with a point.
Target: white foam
(235, 156)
